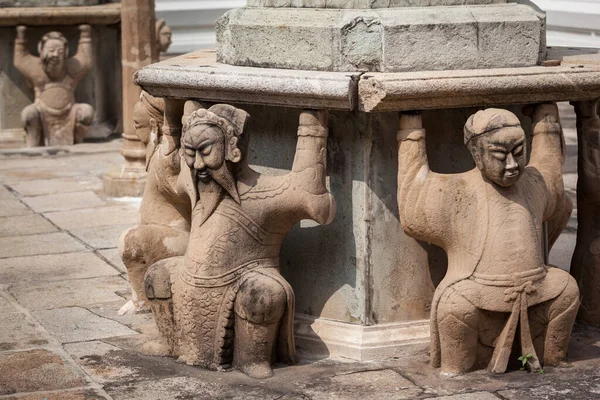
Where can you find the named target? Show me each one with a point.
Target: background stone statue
(163, 36)
(54, 118)
(489, 221)
(165, 213)
(224, 303)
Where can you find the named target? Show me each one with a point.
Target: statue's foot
(260, 370)
(158, 348)
(131, 307)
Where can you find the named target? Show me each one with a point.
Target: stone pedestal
(139, 49)
(97, 88)
(363, 288)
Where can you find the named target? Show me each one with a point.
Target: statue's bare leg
(157, 287)
(458, 322)
(84, 116)
(552, 322)
(32, 123)
(143, 246)
(259, 306)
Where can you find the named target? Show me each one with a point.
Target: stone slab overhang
(104, 14)
(198, 75)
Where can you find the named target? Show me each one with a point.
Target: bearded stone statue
(224, 303)
(489, 222)
(54, 118)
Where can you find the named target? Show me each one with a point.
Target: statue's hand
(541, 112)
(86, 31)
(21, 30)
(410, 121)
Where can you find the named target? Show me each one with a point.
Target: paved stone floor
(61, 284)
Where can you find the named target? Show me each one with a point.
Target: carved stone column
(585, 265)
(138, 40)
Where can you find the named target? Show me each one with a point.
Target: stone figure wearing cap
(55, 118)
(489, 221)
(224, 304)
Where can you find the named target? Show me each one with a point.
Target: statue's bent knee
(84, 114)
(261, 300)
(157, 282)
(30, 115)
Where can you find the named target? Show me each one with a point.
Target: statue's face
(53, 55)
(204, 150)
(144, 126)
(500, 155)
(164, 38)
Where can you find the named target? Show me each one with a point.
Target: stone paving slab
(53, 267)
(5, 193)
(45, 243)
(35, 370)
(25, 225)
(62, 395)
(76, 324)
(12, 207)
(114, 258)
(19, 175)
(471, 396)
(95, 217)
(68, 293)
(18, 332)
(63, 201)
(103, 237)
(59, 185)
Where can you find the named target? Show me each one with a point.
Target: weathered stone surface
(63, 201)
(12, 207)
(17, 332)
(363, 4)
(68, 293)
(95, 217)
(105, 14)
(25, 225)
(380, 385)
(198, 72)
(45, 243)
(378, 92)
(471, 396)
(103, 237)
(33, 371)
(53, 267)
(59, 185)
(383, 39)
(98, 359)
(47, 3)
(89, 394)
(75, 324)
(114, 258)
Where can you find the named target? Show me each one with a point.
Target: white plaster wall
(193, 21)
(572, 23)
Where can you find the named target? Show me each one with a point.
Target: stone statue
(224, 303)
(163, 36)
(489, 221)
(165, 213)
(54, 118)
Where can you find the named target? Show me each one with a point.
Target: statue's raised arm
(25, 62)
(82, 62)
(548, 153)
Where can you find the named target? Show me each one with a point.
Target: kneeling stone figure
(224, 303)
(489, 222)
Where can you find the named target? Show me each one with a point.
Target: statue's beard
(211, 191)
(54, 68)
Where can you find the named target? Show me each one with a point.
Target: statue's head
(148, 116)
(497, 143)
(163, 36)
(54, 52)
(211, 143)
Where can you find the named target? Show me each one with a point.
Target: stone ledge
(363, 4)
(453, 89)
(198, 75)
(104, 14)
(362, 343)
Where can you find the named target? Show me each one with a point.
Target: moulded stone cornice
(198, 75)
(104, 14)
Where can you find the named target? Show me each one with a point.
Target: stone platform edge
(334, 339)
(198, 76)
(103, 14)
